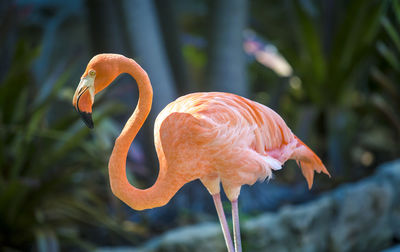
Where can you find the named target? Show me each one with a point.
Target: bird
(220, 138)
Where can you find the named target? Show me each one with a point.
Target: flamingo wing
(224, 137)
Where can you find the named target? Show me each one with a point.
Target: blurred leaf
(312, 43)
(386, 102)
(388, 55)
(394, 35)
(331, 48)
(355, 34)
(386, 83)
(396, 8)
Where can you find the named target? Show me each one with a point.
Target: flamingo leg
(236, 226)
(222, 220)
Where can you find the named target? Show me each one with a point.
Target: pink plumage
(244, 141)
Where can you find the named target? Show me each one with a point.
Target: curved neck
(162, 191)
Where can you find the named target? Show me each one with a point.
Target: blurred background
(330, 68)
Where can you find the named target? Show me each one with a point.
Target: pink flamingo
(219, 138)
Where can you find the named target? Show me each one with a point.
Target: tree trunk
(145, 37)
(226, 66)
(167, 13)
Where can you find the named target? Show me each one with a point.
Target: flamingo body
(219, 138)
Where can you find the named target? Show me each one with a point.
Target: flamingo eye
(92, 73)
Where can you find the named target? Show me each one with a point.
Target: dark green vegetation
(343, 99)
(346, 98)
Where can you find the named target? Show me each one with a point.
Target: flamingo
(219, 138)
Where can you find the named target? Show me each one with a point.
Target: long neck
(162, 191)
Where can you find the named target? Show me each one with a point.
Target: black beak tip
(87, 119)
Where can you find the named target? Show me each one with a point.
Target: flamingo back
(235, 117)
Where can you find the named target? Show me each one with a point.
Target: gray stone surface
(362, 216)
(392, 249)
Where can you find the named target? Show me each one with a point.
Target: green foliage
(53, 188)
(331, 48)
(386, 98)
(328, 61)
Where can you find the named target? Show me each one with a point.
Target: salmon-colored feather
(241, 141)
(219, 138)
(308, 162)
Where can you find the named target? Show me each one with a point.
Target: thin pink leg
(222, 220)
(236, 226)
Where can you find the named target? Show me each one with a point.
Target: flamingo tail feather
(308, 162)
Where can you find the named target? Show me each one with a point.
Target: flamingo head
(100, 72)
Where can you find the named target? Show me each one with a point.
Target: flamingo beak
(87, 119)
(86, 116)
(83, 100)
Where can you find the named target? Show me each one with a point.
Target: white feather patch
(272, 163)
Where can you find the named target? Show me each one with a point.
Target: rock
(201, 237)
(362, 219)
(392, 249)
(362, 216)
(208, 237)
